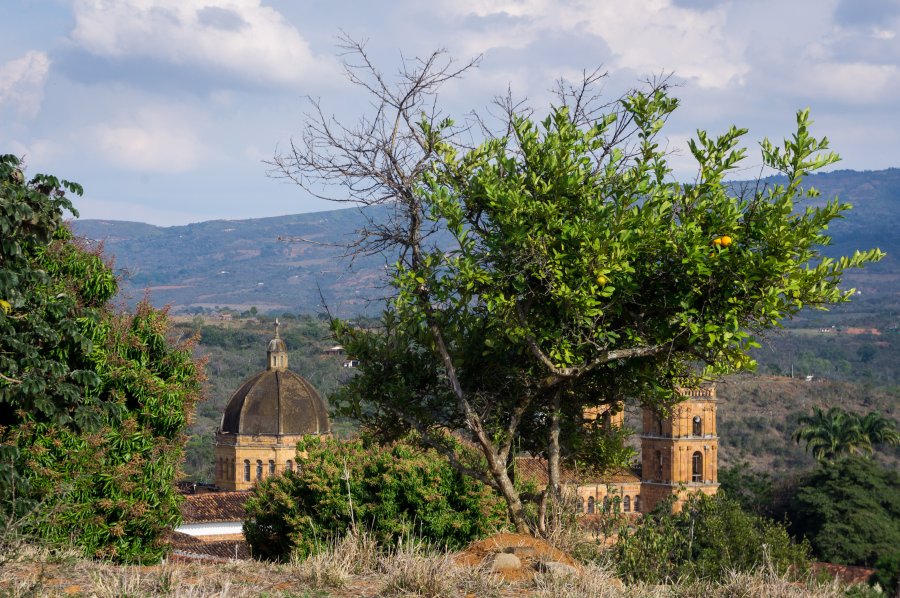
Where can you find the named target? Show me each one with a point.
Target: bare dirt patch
(533, 552)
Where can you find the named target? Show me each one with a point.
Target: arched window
(659, 472)
(258, 469)
(271, 467)
(246, 470)
(698, 426)
(606, 504)
(697, 467)
(289, 466)
(637, 503)
(626, 504)
(659, 427)
(590, 505)
(231, 471)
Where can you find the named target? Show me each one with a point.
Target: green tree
(572, 269)
(94, 402)
(400, 491)
(833, 433)
(879, 430)
(849, 510)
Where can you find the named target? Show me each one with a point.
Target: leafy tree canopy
(579, 271)
(836, 432)
(849, 510)
(94, 402)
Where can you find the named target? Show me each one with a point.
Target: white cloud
(852, 83)
(22, 84)
(646, 36)
(239, 37)
(154, 141)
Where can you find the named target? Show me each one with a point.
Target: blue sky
(165, 109)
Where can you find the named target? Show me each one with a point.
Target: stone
(503, 561)
(556, 568)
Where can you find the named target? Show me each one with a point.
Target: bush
(849, 511)
(392, 492)
(93, 403)
(887, 573)
(710, 538)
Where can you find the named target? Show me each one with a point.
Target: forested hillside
(271, 266)
(281, 264)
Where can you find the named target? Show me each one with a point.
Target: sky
(166, 110)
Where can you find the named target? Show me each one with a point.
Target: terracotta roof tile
(535, 469)
(214, 507)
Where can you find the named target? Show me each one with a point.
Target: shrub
(392, 492)
(93, 403)
(708, 539)
(849, 511)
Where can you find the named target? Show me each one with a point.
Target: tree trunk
(553, 473)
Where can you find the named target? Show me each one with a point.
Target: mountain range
(297, 263)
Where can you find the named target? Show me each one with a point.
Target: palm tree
(879, 429)
(831, 434)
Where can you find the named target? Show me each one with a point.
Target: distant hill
(242, 263)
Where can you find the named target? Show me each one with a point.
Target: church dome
(276, 401)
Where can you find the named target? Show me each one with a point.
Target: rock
(521, 551)
(503, 561)
(556, 568)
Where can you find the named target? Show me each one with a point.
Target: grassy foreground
(355, 567)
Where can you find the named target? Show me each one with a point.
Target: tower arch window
(697, 426)
(289, 466)
(626, 504)
(697, 467)
(591, 503)
(271, 467)
(258, 469)
(246, 470)
(637, 503)
(659, 427)
(659, 469)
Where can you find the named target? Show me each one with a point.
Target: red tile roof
(185, 547)
(535, 469)
(214, 507)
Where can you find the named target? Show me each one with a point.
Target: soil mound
(532, 552)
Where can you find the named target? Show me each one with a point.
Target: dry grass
(354, 567)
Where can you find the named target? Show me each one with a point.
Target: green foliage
(581, 272)
(829, 435)
(95, 402)
(849, 510)
(887, 572)
(392, 492)
(751, 489)
(708, 539)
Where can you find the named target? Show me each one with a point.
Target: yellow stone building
(679, 456)
(264, 420)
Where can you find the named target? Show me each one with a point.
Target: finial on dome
(276, 328)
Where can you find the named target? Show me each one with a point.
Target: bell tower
(680, 453)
